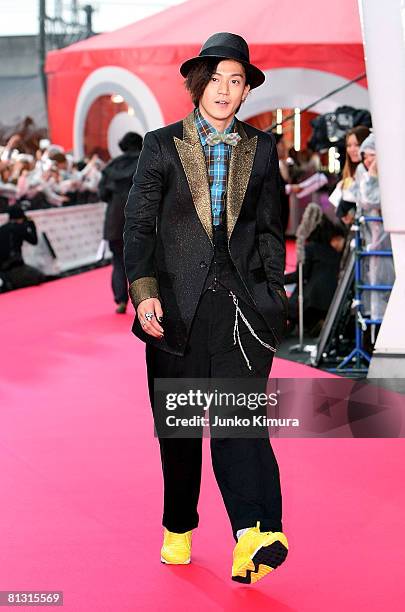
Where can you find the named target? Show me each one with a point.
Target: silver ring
(149, 316)
(143, 323)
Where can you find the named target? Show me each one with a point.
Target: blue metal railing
(358, 355)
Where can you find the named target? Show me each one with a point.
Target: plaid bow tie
(232, 138)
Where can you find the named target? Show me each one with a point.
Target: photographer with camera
(14, 273)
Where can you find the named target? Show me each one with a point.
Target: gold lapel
(240, 168)
(193, 161)
(194, 164)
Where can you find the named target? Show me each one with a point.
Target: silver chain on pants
(236, 335)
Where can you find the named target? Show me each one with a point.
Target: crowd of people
(36, 174)
(47, 178)
(54, 180)
(326, 240)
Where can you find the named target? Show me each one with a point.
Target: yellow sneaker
(257, 553)
(176, 548)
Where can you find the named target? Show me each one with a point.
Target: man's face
(224, 92)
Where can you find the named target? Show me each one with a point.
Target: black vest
(223, 269)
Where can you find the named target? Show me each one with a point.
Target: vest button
(203, 264)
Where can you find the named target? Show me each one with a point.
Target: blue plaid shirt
(217, 158)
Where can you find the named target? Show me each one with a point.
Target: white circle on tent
(120, 125)
(119, 81)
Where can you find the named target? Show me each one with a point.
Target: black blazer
(168, 236)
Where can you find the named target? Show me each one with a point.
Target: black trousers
(21, 276)
(246, 469)
(119, 282)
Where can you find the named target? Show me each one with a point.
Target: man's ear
(245, 92)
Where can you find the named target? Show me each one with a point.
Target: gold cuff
(143, 289)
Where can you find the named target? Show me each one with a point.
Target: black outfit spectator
(14, 273)
(321, 267)
(114, 187)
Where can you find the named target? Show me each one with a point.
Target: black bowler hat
(224, 45)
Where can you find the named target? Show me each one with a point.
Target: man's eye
(214, 79)
(235, 82)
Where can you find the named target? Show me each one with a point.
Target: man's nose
(223, 87)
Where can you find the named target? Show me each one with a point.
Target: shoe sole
(264, 561)
(177, 563)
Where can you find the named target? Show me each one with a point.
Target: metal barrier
(69, 237)
(358, 355)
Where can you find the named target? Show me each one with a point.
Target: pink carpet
(81, 485)
(290, 258)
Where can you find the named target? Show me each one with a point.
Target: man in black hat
(14, 272)
(204, 256)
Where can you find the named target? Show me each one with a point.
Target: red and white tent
(129, 78)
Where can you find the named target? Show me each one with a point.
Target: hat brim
(255, 76)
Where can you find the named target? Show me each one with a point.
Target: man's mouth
(222, 102)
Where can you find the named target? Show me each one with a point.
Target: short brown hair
(199, 77)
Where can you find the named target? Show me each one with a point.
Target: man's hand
(151, 327)
(283, 295)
